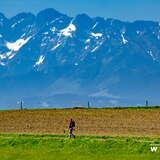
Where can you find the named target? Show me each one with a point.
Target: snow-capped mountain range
(51, 59)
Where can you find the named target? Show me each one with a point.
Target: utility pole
(147, 103)
(21, 105)
(88, 104)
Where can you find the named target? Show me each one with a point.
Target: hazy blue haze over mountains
(54, 60)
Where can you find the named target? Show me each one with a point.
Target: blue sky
(128, 10)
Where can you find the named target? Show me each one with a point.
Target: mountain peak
(24, 15)
(2, 16)
(83, 21)
(83, 17)
(47, 15)
(52, 53)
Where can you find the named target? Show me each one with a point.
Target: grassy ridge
(49, 147)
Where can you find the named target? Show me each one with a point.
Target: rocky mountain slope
(50, 59)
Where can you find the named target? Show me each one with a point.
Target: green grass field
(60, 147)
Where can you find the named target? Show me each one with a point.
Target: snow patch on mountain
(2, 64)
(43, 44)
(138, 32)
(96, 48)
(11, 56)
(76, 64)
(95, 25)
(16, 46)
(46, 33)
(88, 41)
(8, 55)
(53, 29)
(151, 54)
(2, 56)
(40, 60)
(23, 35)
(86, 47)
(125, 41)
(69, 30)
(14, 25)
(56, 46)
(96, 35)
